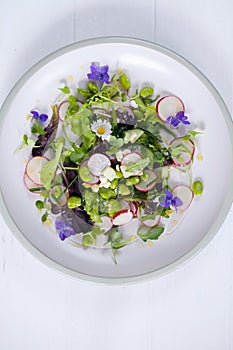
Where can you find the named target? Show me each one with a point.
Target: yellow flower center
(101, 130)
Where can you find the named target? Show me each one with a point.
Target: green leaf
(89, 238)
(65, 90)
(84, 92)
(132, 135)
(138, 166)
(152, 234)
(49, 169)
(193, 133)
(114, 141)
(91, 206)
(37, 129)
(151, 115)
(146, 91)
(89, 139)
(78, 156)
(80, 122)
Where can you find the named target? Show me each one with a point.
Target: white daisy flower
(102, 128)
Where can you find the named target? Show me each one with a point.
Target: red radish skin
(123, 217)
(191, 147)
(30, 168)
(173, 111)
(29, 184)
(147, 185)
(134, 208)
(185, 194)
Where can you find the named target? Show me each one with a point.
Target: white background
(191, 308)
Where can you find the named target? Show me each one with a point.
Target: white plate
(145, 63)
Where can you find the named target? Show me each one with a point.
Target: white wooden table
(191, 308)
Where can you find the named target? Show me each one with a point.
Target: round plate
(145, 63)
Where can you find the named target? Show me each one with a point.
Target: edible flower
(40, 117)
(102, 128)
(99, 73)
(169, 200)
(64, 229)
(179, 118)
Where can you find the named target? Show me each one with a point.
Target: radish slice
(131, 157)
(97, 162)
(134, 208)
(62, 109)
(93, 179)
(106, 223)
(123, 217)
(186, 156)
(169, 106)
(33, 168)
(149, 184)
(185, 194)
(29, 183)
(148, 222)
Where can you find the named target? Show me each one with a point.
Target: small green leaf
(37, 129)
(153, 233)
(80, 122)
(78, 156)
(84, 92)
(65, 90)
(49, 169)
(124, 81)
(137, 166)
(146, 91)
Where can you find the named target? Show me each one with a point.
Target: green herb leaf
(37, 129)
(138, 166)
(49, 169)
(153, 233)
(65, 90)
(80, 122)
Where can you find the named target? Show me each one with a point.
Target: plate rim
(19, 235)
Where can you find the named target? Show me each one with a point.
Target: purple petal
(176, 201)
(185, 122)
(103, 70)
(95, 68)
(165, 203)
(175, 123)
(93, 76)
(43, 118)
(59, 224)
(170, 120)
(169, 195)
(62, 236)
(104, 79)
(180, 115)
(35, 114)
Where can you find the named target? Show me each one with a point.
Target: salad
(108, 157)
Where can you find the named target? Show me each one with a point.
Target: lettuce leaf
(49, 169)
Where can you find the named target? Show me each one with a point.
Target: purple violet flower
(169, 200)
(99, 73)
(179, 118)
(40, 117)
(64, 229)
